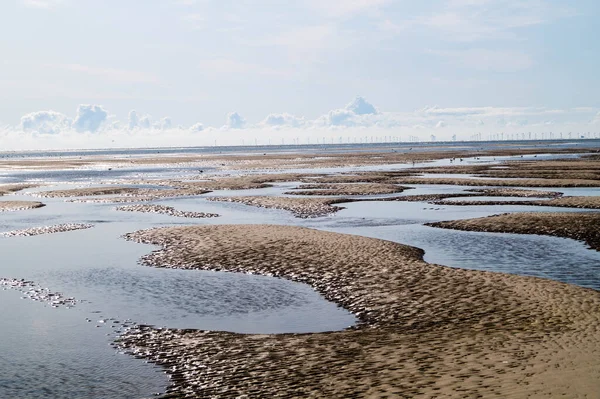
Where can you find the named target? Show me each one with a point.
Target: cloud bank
(93, 126)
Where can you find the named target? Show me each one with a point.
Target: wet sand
(272, 161)
(425, 330)
(8, 206)
(13, 188)
(347, 189)
(36, 231)
(166, 210)
(90, 191)
(587, 202)
(500, 183)
(300, 207)
(579, 226)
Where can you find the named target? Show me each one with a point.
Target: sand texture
(300, 207)
(13, 188)
(166, 210)
(579, 226)
(36, 231)
(425, 330)
(564, 202)
(90, 191)
(6, 206)
(499, 182)
(346, 189)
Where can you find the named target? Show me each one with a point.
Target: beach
(415, 328)
(425, 330)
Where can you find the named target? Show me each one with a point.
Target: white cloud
(45, 122)
(360, 106)
(89, 118)
(440, 124)
(197, 127)
(145, 122)
(283, 119)
(235, 121)
(133, 119)
(164, 124)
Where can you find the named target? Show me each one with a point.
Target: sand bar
(425, 330)
(578, 226)
(166, 210)
(7, 206)
(300, 207)
(36, 231)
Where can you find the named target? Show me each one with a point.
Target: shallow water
(555, 258)
(58, 353)
(78, 264)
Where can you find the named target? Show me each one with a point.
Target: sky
(82, 73)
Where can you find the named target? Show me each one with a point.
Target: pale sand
(274, 161)
(498, 182)
(7, 206)
(36, 231)
(564, 202)
(579, 226)
(166, 210)
(347, 189)
(514, 192)
(91, 191)
(425, 330)
(575, 169)
(300, 207)
(13, 188)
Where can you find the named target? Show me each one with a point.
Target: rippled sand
(6, 206)
(300, 207)
(579, 226)
(425, 330)
(587, 202)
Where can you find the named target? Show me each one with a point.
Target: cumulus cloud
(145, 122)
(197, 127)
(360, 106)
(133, 119)
(45, 122)
(359, 112)
(440, 124)
(89, 118)
(164, 124)
(235, 121)
(283, 119)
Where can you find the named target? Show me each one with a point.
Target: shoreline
(578, 226)
(424, 329)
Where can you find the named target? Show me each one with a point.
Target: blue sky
(430, 67)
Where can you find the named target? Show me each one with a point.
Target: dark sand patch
(425, 330)
(166, 210)
(500, 183)
(587, 202)
(8, 206)
(300, 207)
(347, 189)
(578, 226)
(91, 191)
(36, 231)
(515, 192)
(13, 188)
